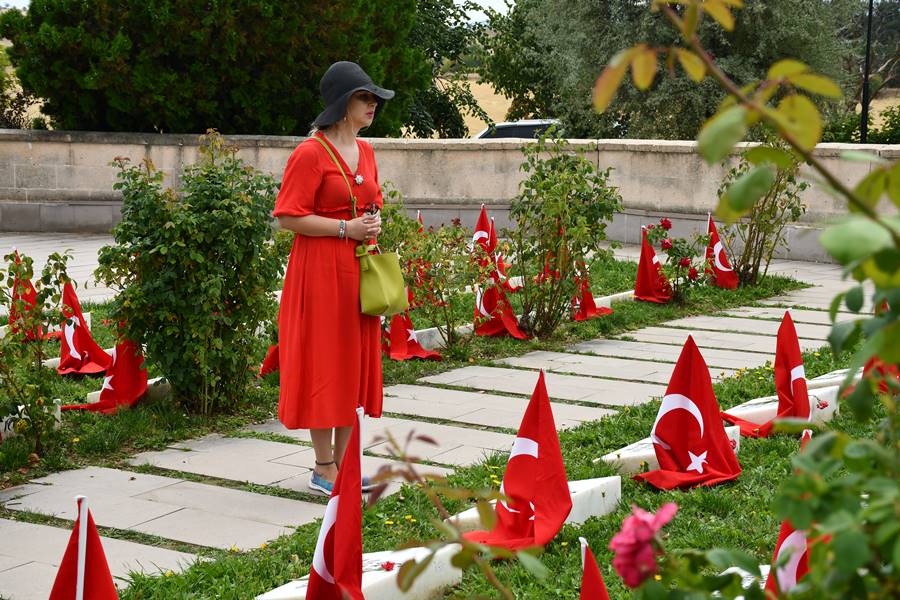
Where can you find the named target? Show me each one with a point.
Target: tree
(248, 66)
(565, 42)
(444, 36)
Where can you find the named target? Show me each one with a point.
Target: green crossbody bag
(382, 291)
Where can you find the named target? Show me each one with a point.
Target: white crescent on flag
(480, 235)
(479, 294)
(674, 402)
(521, 447)
(69, 332)
(318, 562)
(717, 253)
(795, 543)
(798, 372)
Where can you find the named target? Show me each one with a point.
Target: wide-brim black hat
(340, 81)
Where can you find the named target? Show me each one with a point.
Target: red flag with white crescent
(790, 383)
(494, 314)
(792, 546)
(651, 284)
(482, 235)
(125, 381)
(592, 585)
(336, 572)
(688, 436)
(584, 306)
(78, 352)
(24, 295)
(403, 341)
(83, 572)
(535, 484)
(717, 264)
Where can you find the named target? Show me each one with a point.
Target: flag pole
(584, 545)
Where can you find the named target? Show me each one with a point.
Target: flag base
(590, 498)
(641, 455)
(7, 430)
(381, 584)
(823, 405)
(157, 389)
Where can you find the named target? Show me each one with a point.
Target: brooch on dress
(359, 180)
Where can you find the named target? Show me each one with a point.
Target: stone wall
(62, 181)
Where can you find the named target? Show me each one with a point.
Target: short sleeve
(301, 180)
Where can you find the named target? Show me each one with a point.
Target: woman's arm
(366, 227)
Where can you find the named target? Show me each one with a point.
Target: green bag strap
(341, 169)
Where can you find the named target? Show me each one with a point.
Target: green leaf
(643, 67)
(852, 546)
(863, 157)
(854, 299)
(721, 133)
(871, 187)
(609, 81)
(895, 558)
(854, 239)
(691, 63)
(532, 564)
(785, 68)
(893, 186)
(719, 11)
(816, 84)
(776, 156)
(750, 187)
(410, 571)
(725, 558)
(800, 117)
(487, 514)
(841, 333)
(835, 305)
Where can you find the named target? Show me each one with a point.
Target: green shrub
(248, 66)
(560, 220)
(194, 269)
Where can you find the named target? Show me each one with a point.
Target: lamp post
(864, 117)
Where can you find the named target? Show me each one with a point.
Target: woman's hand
(366, 227)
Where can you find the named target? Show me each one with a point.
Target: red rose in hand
(684, 262)
(692, 274)
(665, 224)
(666, 244)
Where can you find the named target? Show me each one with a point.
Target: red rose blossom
(666, 244)
(388, 565)
(634, 548)
(684, 262)
(665, 224)
(692, 273)
(649, 227)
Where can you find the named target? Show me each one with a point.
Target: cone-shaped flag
(500, 273)
(494, 314)
(592, 586)
(271, 363)
(78, 352)
(651, 284)
(792, 544)
(688, 435)
(404, 343)
(22, 292)
(125, 381)
(336, 572)
(84, 573)
(790, 383)
(534, 482)
(721, 274)
(482, 233)
(583, 305)
(421, 222)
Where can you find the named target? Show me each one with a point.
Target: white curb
(590, 498)
(157, 389)
(634, 457)
(379, 584)
(823, 405)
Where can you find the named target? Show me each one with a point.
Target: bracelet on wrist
(342, 229)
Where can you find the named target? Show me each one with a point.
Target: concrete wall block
(80, 218)
(86, 178)
(14, 152)
(165, 157)
(41, 176)
(50, 153)
(7, 175)
(20, 216)
(100, 154)
(273, 160)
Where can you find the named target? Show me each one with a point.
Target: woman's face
(361, 108)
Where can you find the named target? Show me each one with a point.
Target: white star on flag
(106, 381)
(697, 461)
(412, 335)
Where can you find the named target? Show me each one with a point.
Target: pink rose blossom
(685, 262)
(665, 224)
(634, 548)
(666, 244)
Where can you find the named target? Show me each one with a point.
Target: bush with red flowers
(684, 257)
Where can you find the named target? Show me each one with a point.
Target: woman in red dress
(330, 353)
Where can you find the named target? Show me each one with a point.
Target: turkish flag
(717, 265)
(535, 483)
(500, 273)
(125, 381)
(651, 284)
(792, 543)
(271, 363)
(592, 586)
(336, 572)
(584, 307)
(688, 435)
(404, 344)
(494, 314)
(790, 383)
(482, 235)
(84, 572)
(78, 352)
(420, 221)
(23, 292)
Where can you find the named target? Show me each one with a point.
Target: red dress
(330, 353)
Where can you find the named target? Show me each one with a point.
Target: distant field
(493, 104)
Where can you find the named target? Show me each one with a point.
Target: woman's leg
(341, 439)
(325, 465)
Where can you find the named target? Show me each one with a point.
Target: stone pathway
(471, 412)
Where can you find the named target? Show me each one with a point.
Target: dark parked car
(528, 129)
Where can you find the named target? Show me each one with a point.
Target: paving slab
(743, 342)
(564, 387)
(816, 297)
(659, 352)
(799, 315)
(479, 408)
(39, 548)
(601, 366)
(198, 513)
(753, 326)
